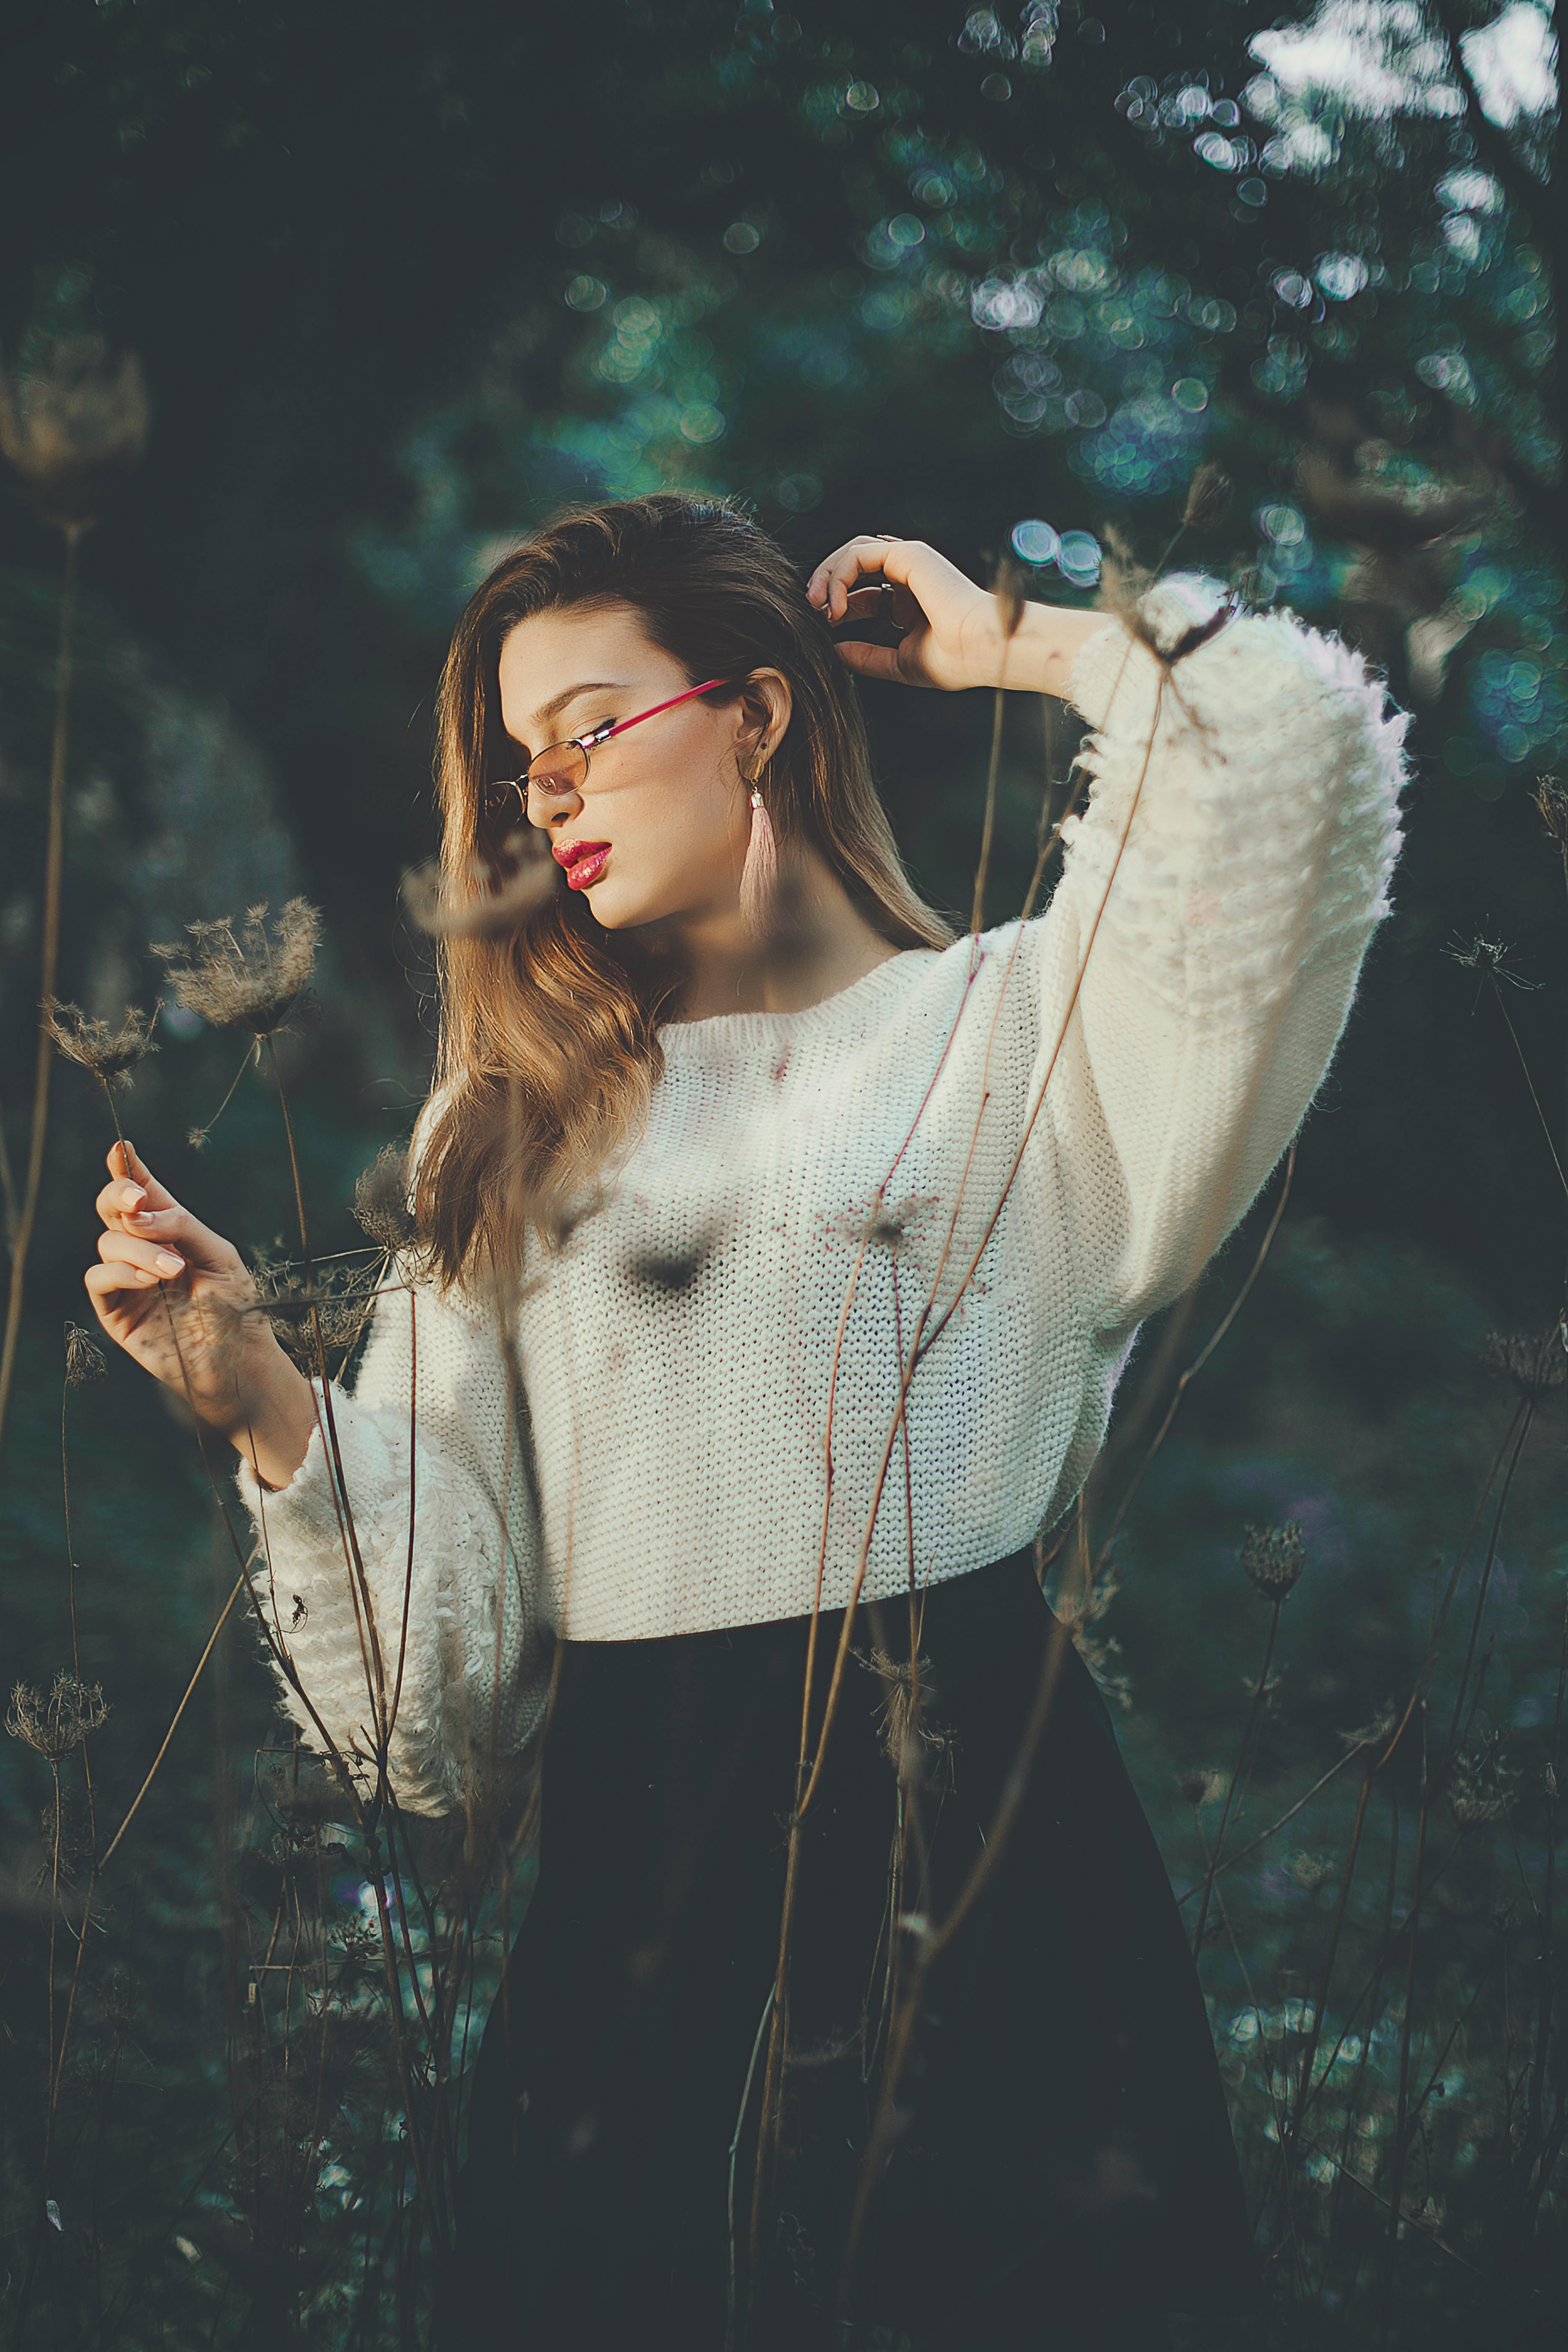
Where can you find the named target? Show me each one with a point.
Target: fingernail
(139, 1216)
(168, 1263)
(132, 1194)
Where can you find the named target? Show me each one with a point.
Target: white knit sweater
(1000, 1156)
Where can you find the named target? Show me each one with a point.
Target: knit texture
(988, 1162)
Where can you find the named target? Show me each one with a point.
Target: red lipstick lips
(584, 861)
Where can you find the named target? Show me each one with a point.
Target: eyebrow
(549, 712)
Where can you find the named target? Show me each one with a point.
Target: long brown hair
(548, 1047)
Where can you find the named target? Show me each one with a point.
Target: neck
(824, 943)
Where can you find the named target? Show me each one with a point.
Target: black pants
(1050, 2165)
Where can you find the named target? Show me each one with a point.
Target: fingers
(126, 1169)
(105, 1283)
(147, 1211)
(135, 1259)
(865, 558)
(885, 662)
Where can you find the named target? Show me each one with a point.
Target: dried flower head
(56, 1723)
(1273, 1558)
(912, 1740)
(73, 425)
(1209, 494)
(110, 1054)
(1008, 590)
(1372, 1734)
(1536, 1363)
(488, 898)
(1490, 958)
(1204, 1788)
(1482, 1786)
(381, 1201)
(337, 1305)
(252, 980)
(85, 1359)
(1552, 799)
(1311, 1872)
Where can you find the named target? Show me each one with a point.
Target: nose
(550, 808)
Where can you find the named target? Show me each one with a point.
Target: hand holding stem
(180, 1299)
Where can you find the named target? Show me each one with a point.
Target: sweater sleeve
(436, 1470)
(1200, 955)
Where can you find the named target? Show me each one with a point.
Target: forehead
(544, 656)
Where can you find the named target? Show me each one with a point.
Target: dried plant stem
(988, 828)
(1289, 2138)
(250, 1056)
(925, 1335)
(48, 967)
(1373, 1989)
(376, 1673)
(10, 1207)
(1013, 616)
(1197, 1364)
(1526, 1419)
(1546, 1976)
(1242, 1853)
(930, 1945)
(1260, 1691)
(1530, 1082)
(174, 1722)
(1400, 2128)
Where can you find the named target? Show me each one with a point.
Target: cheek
(695, 824)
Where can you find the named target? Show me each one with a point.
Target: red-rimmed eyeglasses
(564, 767)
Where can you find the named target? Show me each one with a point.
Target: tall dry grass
(1393, 2043)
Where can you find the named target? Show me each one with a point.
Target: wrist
(1040, 659)
(272, 1430)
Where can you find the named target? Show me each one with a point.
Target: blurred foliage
(402, 280)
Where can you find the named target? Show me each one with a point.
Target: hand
(954, 635)
(953, 631)
(180, 1299)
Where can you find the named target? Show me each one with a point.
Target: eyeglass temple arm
(622, 725)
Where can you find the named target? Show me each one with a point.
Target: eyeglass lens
(563, 768)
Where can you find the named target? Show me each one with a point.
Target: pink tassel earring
(759, 876)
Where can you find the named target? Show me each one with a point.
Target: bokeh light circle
(1036, 542)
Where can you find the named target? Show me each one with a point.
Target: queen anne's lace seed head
(1551, 797)
(1274, 1559)
(73, 425)
(54, 1722)
(110, 1054)
(249, 980)
(381, 1201)
(84, 1357)
(1535, 1363)
(1208, 496)
(483, 901)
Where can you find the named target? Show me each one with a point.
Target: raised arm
(1199, 957)
(1202, 950)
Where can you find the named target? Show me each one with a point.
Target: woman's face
(664, 803)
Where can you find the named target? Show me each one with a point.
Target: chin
(614, 909)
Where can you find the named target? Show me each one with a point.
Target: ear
(765, 709)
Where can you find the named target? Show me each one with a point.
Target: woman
(780, 1257)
